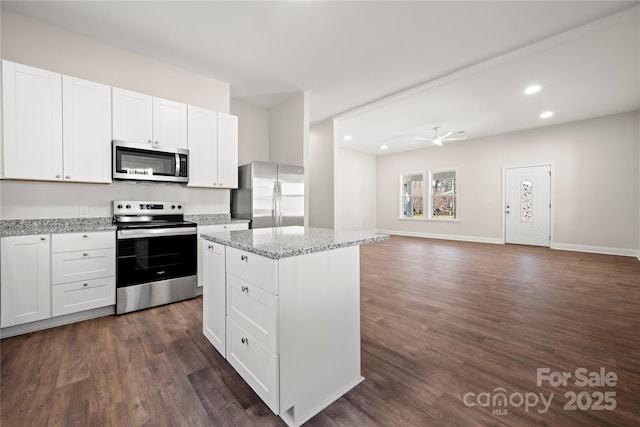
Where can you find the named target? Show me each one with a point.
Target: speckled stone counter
(21, 227)
(213, 219)
(283, 242)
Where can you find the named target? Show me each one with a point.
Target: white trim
(595, 249)
(476, 239)
(57, 321)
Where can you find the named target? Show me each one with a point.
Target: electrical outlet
(84, 211)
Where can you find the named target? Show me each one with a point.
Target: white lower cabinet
(255, 364)
(72, 297)
(83, 271)
(25, 279)
(292, 325)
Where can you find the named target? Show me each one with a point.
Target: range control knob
(179, 206)
(128, 206)
(119, 206)
(173, 206)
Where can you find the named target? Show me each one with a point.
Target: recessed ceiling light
(347, 137)
(532, 89)
(546, 114)
(383, 147)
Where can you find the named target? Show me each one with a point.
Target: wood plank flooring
(439, 320)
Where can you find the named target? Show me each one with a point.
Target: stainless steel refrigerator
(269, 194)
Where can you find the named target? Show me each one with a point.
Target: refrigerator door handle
(279, 204)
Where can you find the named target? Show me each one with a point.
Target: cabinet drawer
(82, 265)
(215, 228)
(256, 269)
(83, 241)
(255, 364)
(254, 310)
(85, 295)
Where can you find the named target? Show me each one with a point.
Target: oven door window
(144, 162)
(150, 259)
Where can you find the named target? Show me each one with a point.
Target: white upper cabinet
(86, 129)
(169, 123)
(132, 116)
(213, 149)
(227, 150)
(32, 110)
(144, 119)
(203, 147)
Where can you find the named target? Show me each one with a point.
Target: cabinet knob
(85, 254)
(58, 176)
(43, 238)
(244, 258)
(150, 142)
(85, 284)
(245, 289)
(155, 142)
(67, 176)
(245, 340)
(84, 236)
(210, 246)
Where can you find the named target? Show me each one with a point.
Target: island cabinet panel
(255, 364)
(213, 295)
(254, 310)
(318, 330)
(256, 269)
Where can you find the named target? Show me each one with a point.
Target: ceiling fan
(449, 136)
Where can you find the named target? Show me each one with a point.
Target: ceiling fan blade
(424, 139)
(456, 139)
(446, 135)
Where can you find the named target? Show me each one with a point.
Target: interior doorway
(528, 205)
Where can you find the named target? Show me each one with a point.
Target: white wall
(320, 171)
(35, 43)
(289, 130)
(253, 132)
(596, 182)
(355, 191)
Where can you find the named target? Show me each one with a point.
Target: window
(444, 195)
(412, 196)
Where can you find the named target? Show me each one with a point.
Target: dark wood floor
(439, 320)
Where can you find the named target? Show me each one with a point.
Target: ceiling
(389, 70)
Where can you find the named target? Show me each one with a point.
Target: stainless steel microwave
(143, 162)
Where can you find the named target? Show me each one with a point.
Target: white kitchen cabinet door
(214, 295)
(32, 110)
(26, 281)
(227, 150)
(169, 123)
(132, 116)
(86, 130)
(203, 147)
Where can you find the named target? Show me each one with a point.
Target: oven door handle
(156, 232)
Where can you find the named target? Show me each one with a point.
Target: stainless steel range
(156, 254)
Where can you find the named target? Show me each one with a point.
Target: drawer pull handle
(85, 254)
(84, 236)
(244, 258)
(85, 284)
(43, 238)
(245, 340)
(245, 289)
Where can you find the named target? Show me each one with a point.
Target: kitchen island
(282, 305)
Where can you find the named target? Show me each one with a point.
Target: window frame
(456, 194)
(402, 196)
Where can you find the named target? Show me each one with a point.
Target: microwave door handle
(177, 164)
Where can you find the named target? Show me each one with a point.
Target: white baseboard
(57, 321)
(476, 239)
(595, 249)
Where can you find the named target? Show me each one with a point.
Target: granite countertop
(21, 227)
(283, 242)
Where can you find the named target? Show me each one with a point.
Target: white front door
(528, 205)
